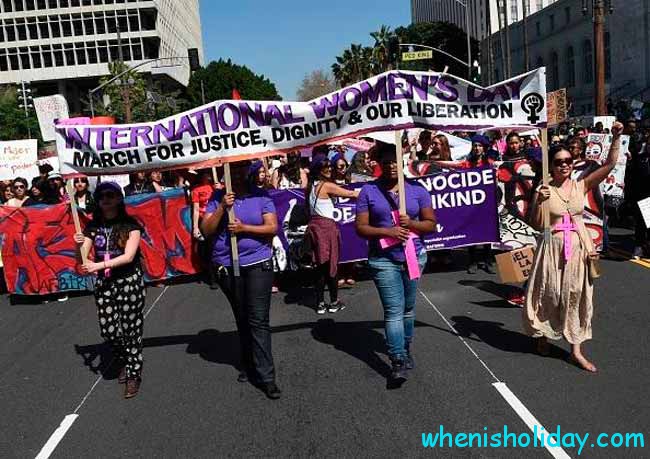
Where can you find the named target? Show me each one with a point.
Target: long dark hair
(291, 169)
(122, 217)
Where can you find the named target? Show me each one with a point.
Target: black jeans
(322, 278)
(250, 298)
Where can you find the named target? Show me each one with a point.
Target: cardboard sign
(514, 267)
(48, 110)
(556, 102)
(644, 207)
(18, 159)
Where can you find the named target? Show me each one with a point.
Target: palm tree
(380, 51)
(355, 64)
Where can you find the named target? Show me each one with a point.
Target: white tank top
(323, 207)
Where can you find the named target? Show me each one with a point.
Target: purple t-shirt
(249, 210)
(373, 201)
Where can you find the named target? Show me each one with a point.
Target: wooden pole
(231, 219)
(545, 181)
(215, 176)
(400, 173)
(75, 216)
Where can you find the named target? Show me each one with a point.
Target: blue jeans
(398, 294)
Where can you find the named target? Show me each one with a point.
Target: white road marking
(59, 433)
(506, 393)
(57, 436)
(529, 419)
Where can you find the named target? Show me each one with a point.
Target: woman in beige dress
(559, 294)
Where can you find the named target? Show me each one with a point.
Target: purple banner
(465, 204)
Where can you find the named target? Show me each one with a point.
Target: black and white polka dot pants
(120, 303)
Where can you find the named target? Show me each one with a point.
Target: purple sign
(465, 204)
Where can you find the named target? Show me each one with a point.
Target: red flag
(236, 95)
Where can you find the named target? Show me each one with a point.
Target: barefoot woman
(559, 295)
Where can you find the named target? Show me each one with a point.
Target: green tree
(442, 35)
(381, 60)
(355, 64)
(13, 123)
(221, 77)
(317, 83)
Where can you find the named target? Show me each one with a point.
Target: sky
(286, 39)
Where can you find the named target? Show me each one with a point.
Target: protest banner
(18, 159)
(39, 252)
(235, 130)
(48, 110)
(465, 203)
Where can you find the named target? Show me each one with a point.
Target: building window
(514, 11)
(567, 15)
(570, 68)
(551, 21)
(540, 4)
(587, 63)
(555, 71)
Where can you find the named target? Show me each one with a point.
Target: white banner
(18, 159)
(233, 130)
(48, 110)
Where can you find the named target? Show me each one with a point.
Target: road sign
(417, 55)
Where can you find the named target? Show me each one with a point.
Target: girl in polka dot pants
(120, 303)
(114, 237)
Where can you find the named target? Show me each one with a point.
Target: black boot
(398, 371)
(272, 391)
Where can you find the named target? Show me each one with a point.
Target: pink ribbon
(566, 227)
(409, 249)
(107, 271)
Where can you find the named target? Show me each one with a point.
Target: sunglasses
(561, 162)
(19, 187)
(341, 166)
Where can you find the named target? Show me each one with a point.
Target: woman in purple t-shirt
(249, 294)
(375, 208)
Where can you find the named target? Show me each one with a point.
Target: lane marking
(518, 407)
(645, 262)
(530, 420)
(60, 432)
(57, 436)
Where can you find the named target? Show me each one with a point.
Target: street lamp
(92, 92)
(465, 5)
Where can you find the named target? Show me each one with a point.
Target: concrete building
(560, 37)
(64, 46)
(480, 25)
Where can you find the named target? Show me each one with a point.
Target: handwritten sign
(556, 102)
(515, 266)
(18, 159)
(48, 110)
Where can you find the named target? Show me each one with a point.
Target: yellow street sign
(417, 55)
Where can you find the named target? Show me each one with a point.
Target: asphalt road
(332, 370)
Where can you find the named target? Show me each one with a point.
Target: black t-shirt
(110, 236)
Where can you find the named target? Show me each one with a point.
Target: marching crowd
(557, 301)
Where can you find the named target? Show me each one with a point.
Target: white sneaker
(62, 299)
(638, 252)
(322, 309)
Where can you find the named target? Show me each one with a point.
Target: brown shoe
(132, 387)
(121, 378)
